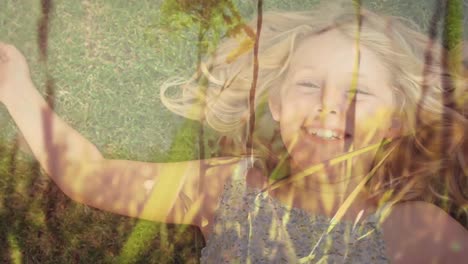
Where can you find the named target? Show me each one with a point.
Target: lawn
(107, 60)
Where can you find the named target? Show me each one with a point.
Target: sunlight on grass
(142, 234)
(15, 251)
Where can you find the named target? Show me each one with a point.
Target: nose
(326, 114)
(331, 103)
(324, 110)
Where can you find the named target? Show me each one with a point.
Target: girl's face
(316, 98)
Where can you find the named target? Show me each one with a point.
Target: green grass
(107, 72)
(108, 59)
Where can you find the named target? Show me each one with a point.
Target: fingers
(3, 56)
(8, 52)
(3, 52)
(6, 45)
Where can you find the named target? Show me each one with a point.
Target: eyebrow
(359, 75)
(311, 67)
(306, 68)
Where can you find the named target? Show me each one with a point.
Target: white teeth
(323, 133)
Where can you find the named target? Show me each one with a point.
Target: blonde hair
(418, 86)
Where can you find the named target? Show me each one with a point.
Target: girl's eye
(360, 92)
(309, 84)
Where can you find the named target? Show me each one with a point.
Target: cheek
(293, 113)
(296, 108)
(290, 125)
(372, 123)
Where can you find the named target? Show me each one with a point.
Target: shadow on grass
(39, 224)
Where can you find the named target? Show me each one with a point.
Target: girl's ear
(275, 107)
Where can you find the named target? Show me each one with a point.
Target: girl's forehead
(333, 53)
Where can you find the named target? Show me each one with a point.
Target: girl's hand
(14, 71)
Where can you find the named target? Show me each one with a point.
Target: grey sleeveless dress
(252, 227)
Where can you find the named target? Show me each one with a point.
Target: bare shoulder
(420, 232)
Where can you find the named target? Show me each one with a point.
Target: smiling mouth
(326, 134)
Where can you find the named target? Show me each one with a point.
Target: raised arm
(166, 192)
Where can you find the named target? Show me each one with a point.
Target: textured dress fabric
(252, 227)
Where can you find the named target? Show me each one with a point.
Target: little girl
(363, 132)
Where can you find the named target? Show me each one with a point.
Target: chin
(304, 156)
